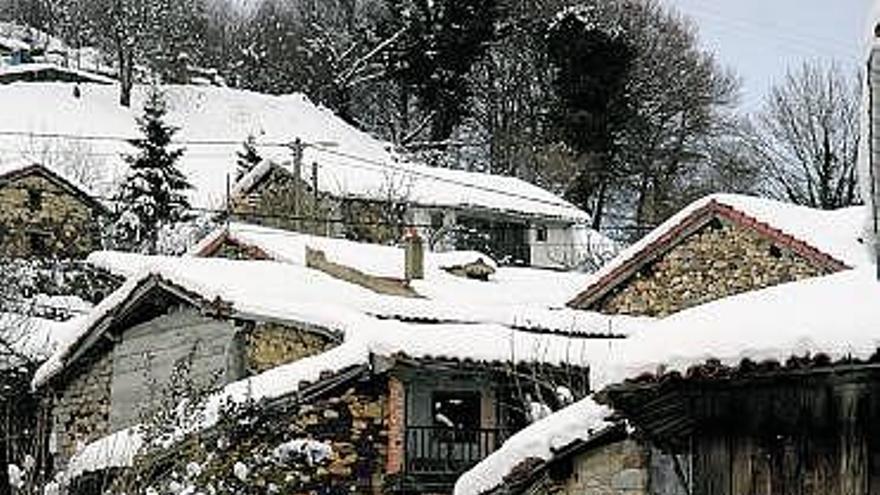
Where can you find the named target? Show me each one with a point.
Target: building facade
(44, 215)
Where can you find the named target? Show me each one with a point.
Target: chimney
(874, 141)
(414, 254)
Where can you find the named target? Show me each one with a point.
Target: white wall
(557, 251)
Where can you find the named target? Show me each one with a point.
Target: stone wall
(81, 406)
(274, 202)
(234, 251)
(352, 421)
(718, 261)
(269, 345)
(39, 218)
(619, 468)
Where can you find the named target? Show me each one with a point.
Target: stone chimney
(874, 142)
(414, 256)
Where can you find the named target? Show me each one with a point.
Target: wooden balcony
(436, 456)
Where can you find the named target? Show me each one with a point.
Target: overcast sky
(760, 39)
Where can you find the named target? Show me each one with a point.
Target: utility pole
(316, 205)
(873, 73)
(298, 149)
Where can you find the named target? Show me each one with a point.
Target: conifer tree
(248, 157)
(153, 193)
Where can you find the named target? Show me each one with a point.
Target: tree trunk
(125, 77)
(599, 208)
(5, 489)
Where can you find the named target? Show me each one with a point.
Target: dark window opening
(715, 224)
(436, 221)
(35, 199)
(459, 411)
(38, 243)
(541, 233)
(775, 251)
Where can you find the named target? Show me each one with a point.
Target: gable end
(755, 243)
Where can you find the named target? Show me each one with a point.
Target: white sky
(760, 39)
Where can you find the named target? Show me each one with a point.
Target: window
(436, 221)
(541, 233)
(38, 243)
(457, 411)
(34, 199)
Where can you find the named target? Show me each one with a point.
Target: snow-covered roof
(80, 75)
(32, 337)
(288, 292)
(521, 297)
(373, 259)
(836, 315)
(356, 165)
(835, 236)
(579, 421)
(13, 44)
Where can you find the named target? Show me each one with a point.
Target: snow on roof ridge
(833, 314)
(279, 243)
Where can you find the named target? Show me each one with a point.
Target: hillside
(351, 162)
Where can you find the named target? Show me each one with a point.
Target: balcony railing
(442, 451)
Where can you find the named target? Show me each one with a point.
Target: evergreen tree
(442, 42)
(153, 194)
(248, 158)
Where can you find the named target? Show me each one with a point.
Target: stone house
(767, 392)
(43, 214)
(424, 411)
(450, 209)
(720, 246)
(126, 365)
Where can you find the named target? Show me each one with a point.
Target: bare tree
(807, 137)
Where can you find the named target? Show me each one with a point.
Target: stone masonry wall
(352, 422)
(60, 220)
(270, 345)
(620, 468)
(274, 203)
(719, 261)
(81, 410)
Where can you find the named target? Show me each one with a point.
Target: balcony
(436, 455)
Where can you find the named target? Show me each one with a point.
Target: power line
(307, 219)
(321, 148)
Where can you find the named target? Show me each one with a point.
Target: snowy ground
(214, 121)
